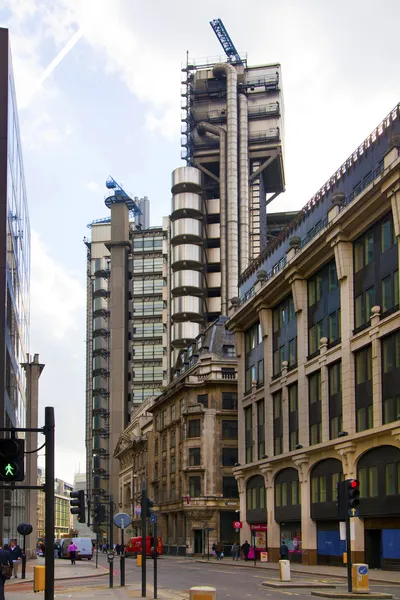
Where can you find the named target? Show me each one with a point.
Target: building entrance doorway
(198, 549)
(373, 548)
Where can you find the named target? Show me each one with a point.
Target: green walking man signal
(12, 460)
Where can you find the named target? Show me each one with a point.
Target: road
(181, 574)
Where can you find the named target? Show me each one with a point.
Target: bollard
(202, 592)
(138, 560)
(284, 570)
(39, 578)
(360, 579)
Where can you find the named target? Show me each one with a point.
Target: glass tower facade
(14, 275)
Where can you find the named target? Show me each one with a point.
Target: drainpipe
(220, 132)
(232, 176)
(243, 182)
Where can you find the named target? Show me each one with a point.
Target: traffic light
(99, 514)
(352, 493)
(12, 460)
(149, 507)
(77, 503)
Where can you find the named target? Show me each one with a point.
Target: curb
(351, 595)
(301, 572)
(30, 580)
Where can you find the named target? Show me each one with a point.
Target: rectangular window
(292, 352)
(284, 335)
(315, 433)
(229, 430)
(315, 333)
(295, 492)
(363, 360)
(278, 493)
(194, 457)
(229, 401)
(391, 409)
(260, 372)
(194, 427)
(229, 457)
(164, 418)
(278, 423)
(284, 494)
(391, 479)
(172, 464)
(322, 488)
(260, 430)
(172, 438)
(195, 487)
(386, 235)
(334, 329)
(314, 382)
(373, 482)
(314, 490)
(203, 399)
(229, 487)
(173, 412)
(335, 480)
(364, 418)
(248, 423)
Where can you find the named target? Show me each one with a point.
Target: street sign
(138, 510)
(237, 524)
(110, 557)
(353, 512)
(122, 520)
(363, 570)
(153, 518)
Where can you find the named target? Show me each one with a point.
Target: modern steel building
(126, 332)
(233, 126)
(14, 279)
(317, 334)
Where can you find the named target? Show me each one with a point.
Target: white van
(85, 548)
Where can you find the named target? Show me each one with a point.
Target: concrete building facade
(317, 337)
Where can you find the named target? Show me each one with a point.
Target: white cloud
(92, 186)
(57, 296)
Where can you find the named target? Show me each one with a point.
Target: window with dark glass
(194, 426)
(229, 401)
(287, 489)
(284, 335)
(376, 279)
(172, 464)
(335, 399)
(173, 412)
(164, 442)
(364, 408)
(293, 417)
(324, 318)
(203, 399)
(254, 354)
(156, 447)
(229, 487)
(172, 438)
(368, 478)
(314, 399)
(195, 486)
(278, 422)
(194, 457)
(229, 429)
(391, 377)
(248, 433)
(229, 457)
(260, 430)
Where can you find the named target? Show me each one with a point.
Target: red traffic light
(354, 483)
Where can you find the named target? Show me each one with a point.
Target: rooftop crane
(225, 41)
(120, 194)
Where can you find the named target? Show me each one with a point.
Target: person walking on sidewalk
(72, 550)
(5, 560)
(16, 555)
(219, 551)
(246, 550)
(235, 551)
(284, 551)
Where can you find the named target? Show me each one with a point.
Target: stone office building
(317, 335)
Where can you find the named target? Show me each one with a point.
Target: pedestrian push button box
(360, 578)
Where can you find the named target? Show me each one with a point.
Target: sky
(98, 87)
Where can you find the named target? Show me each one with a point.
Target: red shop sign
(259, 527)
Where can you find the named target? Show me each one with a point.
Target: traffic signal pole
(144, 534)
(49, 430)
(348, 550)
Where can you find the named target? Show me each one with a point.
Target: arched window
(287, 495)
(378, 471)
(325, 476)
(256, 504)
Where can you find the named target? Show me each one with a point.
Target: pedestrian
(5, 573)
(72, 550)
(235, 551)
(219, 551)
(284, 551)
(118, 549)
(16, 555)
(213, 549)
(246, 549)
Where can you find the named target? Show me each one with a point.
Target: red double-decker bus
(134, 546)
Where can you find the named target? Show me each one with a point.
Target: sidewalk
(375, 575)
(62, 569)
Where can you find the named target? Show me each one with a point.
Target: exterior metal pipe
(243, 182)
(221, 133)
(169, 324)
(232, 176)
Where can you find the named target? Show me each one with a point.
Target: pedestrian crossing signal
(12, 460)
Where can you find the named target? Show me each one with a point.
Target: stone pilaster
(376, 367)
(346, 451)
(324, 390)
(273, 534)
(308, 526)
(239, 348)
(285, 407)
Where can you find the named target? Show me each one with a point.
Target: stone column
(308, 526)
(265, 316)
(324, 390)
(376, 367)
(285, 407)
(299, 291)
(245, 531)
(240, 354)
(344, 267)
(273, 533)
(33, 370)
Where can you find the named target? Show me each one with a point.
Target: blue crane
(119, 196)
(225, 40)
